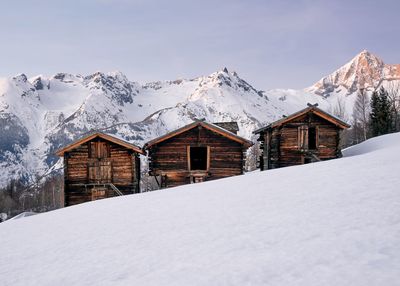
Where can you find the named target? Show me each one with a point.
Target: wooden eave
(330, 118)
(110, 138)
(214, 128)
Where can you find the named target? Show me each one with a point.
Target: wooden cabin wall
(329, 142)
(289, 150)
(284, 149)
(271, 140)
(170, 156)
(123, 167)
(125, 172)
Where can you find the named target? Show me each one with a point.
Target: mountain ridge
(41, 114)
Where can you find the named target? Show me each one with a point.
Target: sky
(269, 43)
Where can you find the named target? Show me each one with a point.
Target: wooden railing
(115, 189)
(111, 185)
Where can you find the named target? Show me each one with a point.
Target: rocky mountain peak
(366, 62)
(20, 78)
(233, 80)
(114, 84)
(38, 83)
(67, 77)
(221, 77)
(365, 70)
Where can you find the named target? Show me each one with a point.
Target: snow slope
(329, 223)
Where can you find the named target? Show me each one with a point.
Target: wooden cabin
(195, 153)
(99, 166)
(306, 136)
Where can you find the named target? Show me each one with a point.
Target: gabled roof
(332, 119)
(231, 126)
(212, 127)
(103, 136)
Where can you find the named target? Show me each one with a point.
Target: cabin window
(312, 138)
(99, 150)
(198, 158)
(307, 138)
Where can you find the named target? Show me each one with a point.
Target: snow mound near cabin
(389, 141)
(330, 223)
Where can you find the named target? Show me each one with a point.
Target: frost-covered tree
(339, 110)
(393, 93)
(253, 156)
(361, 111)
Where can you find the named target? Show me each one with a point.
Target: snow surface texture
(22, 215)
(40, 115)
(330, 223)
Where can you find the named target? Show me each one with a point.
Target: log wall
(170, 157)
(282, 145)
(121, 167)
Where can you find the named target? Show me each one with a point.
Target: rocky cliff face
(365, 71)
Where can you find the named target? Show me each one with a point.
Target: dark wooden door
(99, 168)
(100, 172)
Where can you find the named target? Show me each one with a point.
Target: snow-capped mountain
(40, 114)
(364, 71)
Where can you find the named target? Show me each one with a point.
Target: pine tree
(386, 107)
(381, 113)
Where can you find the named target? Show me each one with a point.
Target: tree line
(44, 195)
(377, 114)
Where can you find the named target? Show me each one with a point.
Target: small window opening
(198, 158)
(312, 138)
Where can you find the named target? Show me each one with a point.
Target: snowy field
(329, 223)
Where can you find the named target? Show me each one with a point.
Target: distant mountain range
(40, 114)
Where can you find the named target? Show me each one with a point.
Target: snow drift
(329, 223)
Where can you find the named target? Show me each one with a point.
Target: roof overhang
(104, 136)
(212, 127)
(315, 110)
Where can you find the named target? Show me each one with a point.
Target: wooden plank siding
(287, 144)
(97, 162)
(170, 158)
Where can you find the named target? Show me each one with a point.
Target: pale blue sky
(271, 44)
